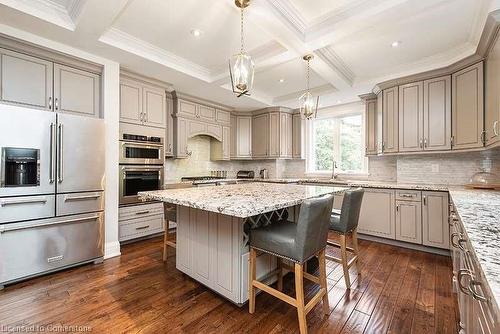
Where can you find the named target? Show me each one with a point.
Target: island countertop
(242, 200)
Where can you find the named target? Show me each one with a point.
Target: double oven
(141, 166)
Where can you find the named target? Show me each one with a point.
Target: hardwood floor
(398, 291)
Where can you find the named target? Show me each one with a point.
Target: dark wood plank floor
(397, 291)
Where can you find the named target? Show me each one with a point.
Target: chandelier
(308, 104)
(241, 65)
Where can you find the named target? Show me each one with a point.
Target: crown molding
(50, 11)
(179, 95)
(129, 43)
(124, 72)
(328, 55)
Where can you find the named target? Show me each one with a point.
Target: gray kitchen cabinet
(411, 117)
(377, 215)
(130, 101)
(371, 127)
(297, 137)
(154, 106)
(26, 80)
(260, 136)
(467, 108)
(243, 137)
(379, 123)
(137, 221)
(274, 135)
(437, 114)
(492, 94)
(435, 219)
(390, 120)
(285, 132)
(76, 91)
(169, 133)
(180, 137)
(409, 221)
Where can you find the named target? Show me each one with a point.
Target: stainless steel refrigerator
(51, 192)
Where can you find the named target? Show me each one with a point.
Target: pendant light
(308, 104)
(241, 65)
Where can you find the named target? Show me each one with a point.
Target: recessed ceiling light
(196, 32)
(282, 80)
(395, 44)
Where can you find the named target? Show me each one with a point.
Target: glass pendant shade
(241, 69)
(308, 105)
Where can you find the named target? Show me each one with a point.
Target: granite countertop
(241, 200)
(479, 212)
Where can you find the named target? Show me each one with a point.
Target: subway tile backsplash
(447, 168)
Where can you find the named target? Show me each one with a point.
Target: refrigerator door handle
(6, 228)
(60, 169)
(53, 132)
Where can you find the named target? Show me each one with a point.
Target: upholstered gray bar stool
(296, 242)
(345, 223)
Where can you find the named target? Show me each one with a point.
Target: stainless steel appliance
(144, 150)
(51, 192)
(136, 178)
(245, 174)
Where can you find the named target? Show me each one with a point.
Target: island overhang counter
(213, 226)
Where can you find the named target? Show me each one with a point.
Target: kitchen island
(213, 226)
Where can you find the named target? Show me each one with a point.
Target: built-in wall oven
(134, 179)
(143, 150)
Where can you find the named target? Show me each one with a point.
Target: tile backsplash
(447, 168)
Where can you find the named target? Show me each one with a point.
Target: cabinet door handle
(50, 102)
(142, 212)
(425, 200)
(425, 142)
(420, 143)
(142, 227)
(452, 141)
(397, 208)
(495, 128)
(57, 103)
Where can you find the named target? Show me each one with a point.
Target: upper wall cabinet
(37, 83)
(297, 137)
(76, 91)
(371, 126)
(492, 80)
(390, 119)
(425, 115)
(142, 104)
(272, 135)
(241, 137)
(467, 108)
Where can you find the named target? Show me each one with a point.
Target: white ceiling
(351, 40)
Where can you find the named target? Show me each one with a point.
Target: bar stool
(296, 242)
(169, 213)
(344, 223)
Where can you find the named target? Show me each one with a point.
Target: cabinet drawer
(223, 117)
(140, 227)
(137, 211)
(408, 195)
(68, 204)
(26, 207)
(186, 109)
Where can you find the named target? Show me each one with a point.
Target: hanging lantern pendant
(241, 66)
(308, 104)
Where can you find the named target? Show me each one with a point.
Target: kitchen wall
(447, 168)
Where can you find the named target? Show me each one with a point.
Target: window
(339, 139)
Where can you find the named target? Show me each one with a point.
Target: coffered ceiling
(351, 40)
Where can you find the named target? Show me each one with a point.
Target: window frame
(336, 112)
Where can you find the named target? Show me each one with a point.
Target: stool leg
(343, 253)
(322, 281)
(165, 239)
(251, 277)
(280, 274)
(299, 291)
(355, 244)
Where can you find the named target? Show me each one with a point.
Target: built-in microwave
(134, 179)
(141, 150)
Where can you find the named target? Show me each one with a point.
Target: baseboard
(403, 244)
(111, 249)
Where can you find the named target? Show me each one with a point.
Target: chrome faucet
(334, 165)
